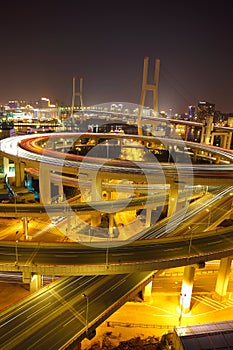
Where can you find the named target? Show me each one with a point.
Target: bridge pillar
(19, 174)
(186, 289)
(111, 224)
(96, 195)
(36, 283)
(173, 197)
(225, 140)
(222, 279)
(5, 165)
(45, 185)
(60, 191)
(186, 132)
(228, 145)
(148, 217)
(206, 130)
(223, 143)
(25, 227)
(147, 291)
(148, 87)
(34, 280)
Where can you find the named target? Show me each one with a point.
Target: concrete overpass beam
(223, 279)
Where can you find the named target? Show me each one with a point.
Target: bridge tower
(148, 87)
(74, 94)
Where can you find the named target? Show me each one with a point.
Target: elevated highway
(153, 251)
(31, 152)
(25, 326)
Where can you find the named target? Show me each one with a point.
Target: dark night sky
(45, 43)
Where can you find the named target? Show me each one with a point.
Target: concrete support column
(228, 145)
(111, 224)
(60, 191)
(96, 195)
(36, 283)
(186, 132)
(208, 129)
(34, 280)
(223, 279)
(187, 288)
(25, 227)
(19, 174)
(147, 291)
(148, 217)
(224, 141)
(5, 165)
(202, 134)
(173, 197)
(45, 185)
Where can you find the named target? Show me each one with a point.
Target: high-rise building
(192, 112)
(205, 109)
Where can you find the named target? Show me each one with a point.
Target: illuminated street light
(190, 241)
(87, 307)
(182, 296)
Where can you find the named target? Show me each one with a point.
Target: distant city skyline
(105, 44)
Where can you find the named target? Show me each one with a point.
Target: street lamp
(87, 306)
(16, 248)
(190, 241)
(182, 296)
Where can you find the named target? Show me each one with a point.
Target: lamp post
(190, 241)
(87, 307)
(182, 296)
(16, 248)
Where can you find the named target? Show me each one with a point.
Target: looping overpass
(155, 249)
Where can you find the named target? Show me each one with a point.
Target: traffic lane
(38, 304)
(70, 317)
(27, 316)
(139, 251)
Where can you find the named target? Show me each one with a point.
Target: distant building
(44, 102)
(192, 112)
(205, 109)
(229, 119)
(13, 104)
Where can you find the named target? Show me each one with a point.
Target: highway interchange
(114, 263)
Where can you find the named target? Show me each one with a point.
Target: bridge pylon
(75, 93)
(148, 87)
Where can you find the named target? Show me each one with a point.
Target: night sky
(44, 44)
